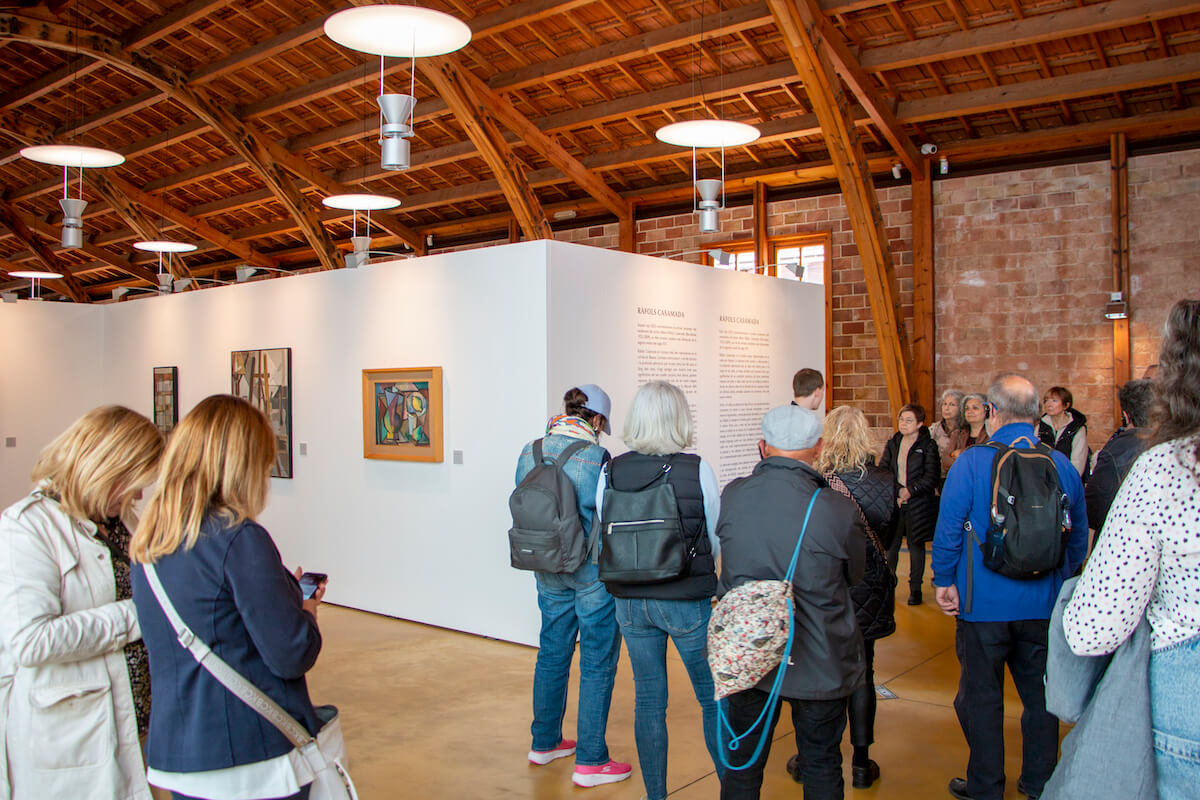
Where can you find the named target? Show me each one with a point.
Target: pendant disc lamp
(164, 246)
(385, 30)
(360, 202)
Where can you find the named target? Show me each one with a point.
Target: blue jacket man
(1000, 620)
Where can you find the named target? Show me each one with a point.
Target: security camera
(928, 149)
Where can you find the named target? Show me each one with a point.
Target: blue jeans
(645, 626)
(575, 604)
(1174, 686)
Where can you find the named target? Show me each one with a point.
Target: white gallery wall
(512, 327)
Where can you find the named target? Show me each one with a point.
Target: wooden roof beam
(862, 84)
(245, 140)
(78, 67)
(68, 285)
(554, 152)
(1031, 30)
(475, 114)
(158, 206)
(90, 249)
(173, 20)
(135, 220)
(797, 24)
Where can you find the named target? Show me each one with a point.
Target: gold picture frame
(402, 414)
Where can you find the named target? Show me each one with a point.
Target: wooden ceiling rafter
(136, 220)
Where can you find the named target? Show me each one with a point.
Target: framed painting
(264, 377)
(402, 414)
(166, 398)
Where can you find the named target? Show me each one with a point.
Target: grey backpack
(547, 534)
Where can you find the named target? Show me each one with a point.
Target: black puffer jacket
(924, 472)
(1112, 465)
(875, 595)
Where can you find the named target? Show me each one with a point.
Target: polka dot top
(1146, 560)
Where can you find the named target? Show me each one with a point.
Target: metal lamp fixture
(80, 157)
(35, 276)
(164, 246)
(360, 202)
(712, 199)
(1115, 309)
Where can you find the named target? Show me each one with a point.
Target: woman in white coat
(77, 693)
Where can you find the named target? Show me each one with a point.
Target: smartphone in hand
(311, 581)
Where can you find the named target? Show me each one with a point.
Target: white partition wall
(512, 327)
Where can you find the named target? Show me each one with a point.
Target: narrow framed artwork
(264, 377)
(402, 414)
(166, 398)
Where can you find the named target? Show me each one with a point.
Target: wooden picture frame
(166, 398)
(402, 414)
(264, 378)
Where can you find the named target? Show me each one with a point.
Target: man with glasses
(1000, 620)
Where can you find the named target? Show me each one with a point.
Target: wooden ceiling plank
(519, 14)
(797, 21)
(729, 21)
(68, 285)
(245, 141)
(135, 219)
(157, 205)
(475, 114)
(863, 86)
(293, 37)
(1030, 30)
(79, 67)
(1052, 90)
(173, 20)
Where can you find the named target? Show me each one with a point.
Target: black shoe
(914, 597)
(958, 788)
(863, 777)
(793, 768)
(1031, 795)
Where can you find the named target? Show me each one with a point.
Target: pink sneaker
(611, 772)
(565, 748)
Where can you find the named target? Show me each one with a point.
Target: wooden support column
(832, 107)
(762, 253)
(481, 127)
(514, 231)
(924, 319)
(68, 285)
(1120, 267)
(627, 230)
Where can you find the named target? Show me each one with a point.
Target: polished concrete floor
(431, 713)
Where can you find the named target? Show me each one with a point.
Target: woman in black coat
(912, 458)
(847, 464)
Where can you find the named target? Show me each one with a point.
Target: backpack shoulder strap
(571, 450)
(537, 451)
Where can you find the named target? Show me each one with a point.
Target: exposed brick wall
(1164, 244)
(1023, 267)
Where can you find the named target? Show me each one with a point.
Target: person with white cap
(574, 605)
(761, 518)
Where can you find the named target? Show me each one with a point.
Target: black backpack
(642, 535)
(547, 534)
(1030, 524)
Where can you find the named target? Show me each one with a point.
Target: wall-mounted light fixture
(1116, 307)
(944, 165)
(896, 171)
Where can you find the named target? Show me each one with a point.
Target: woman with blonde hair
(79, 695)
(223, 573)
(657, 430)
(847, 463)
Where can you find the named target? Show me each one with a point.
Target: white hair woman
(658, 429)
(80, 693)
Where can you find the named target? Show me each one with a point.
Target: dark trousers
(819, 727)
(861, 706)
(984, 648)
(916, 552)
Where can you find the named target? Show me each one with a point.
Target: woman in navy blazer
(224, 575)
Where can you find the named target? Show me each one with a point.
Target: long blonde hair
(109, 451)
(847, 441)
(217, 461)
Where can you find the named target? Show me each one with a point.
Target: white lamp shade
(164, 246)
(397, 31)
(36, 274)
(72, 155)
(707, 133)
(360, 202)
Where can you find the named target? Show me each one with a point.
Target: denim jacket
(583, 469)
